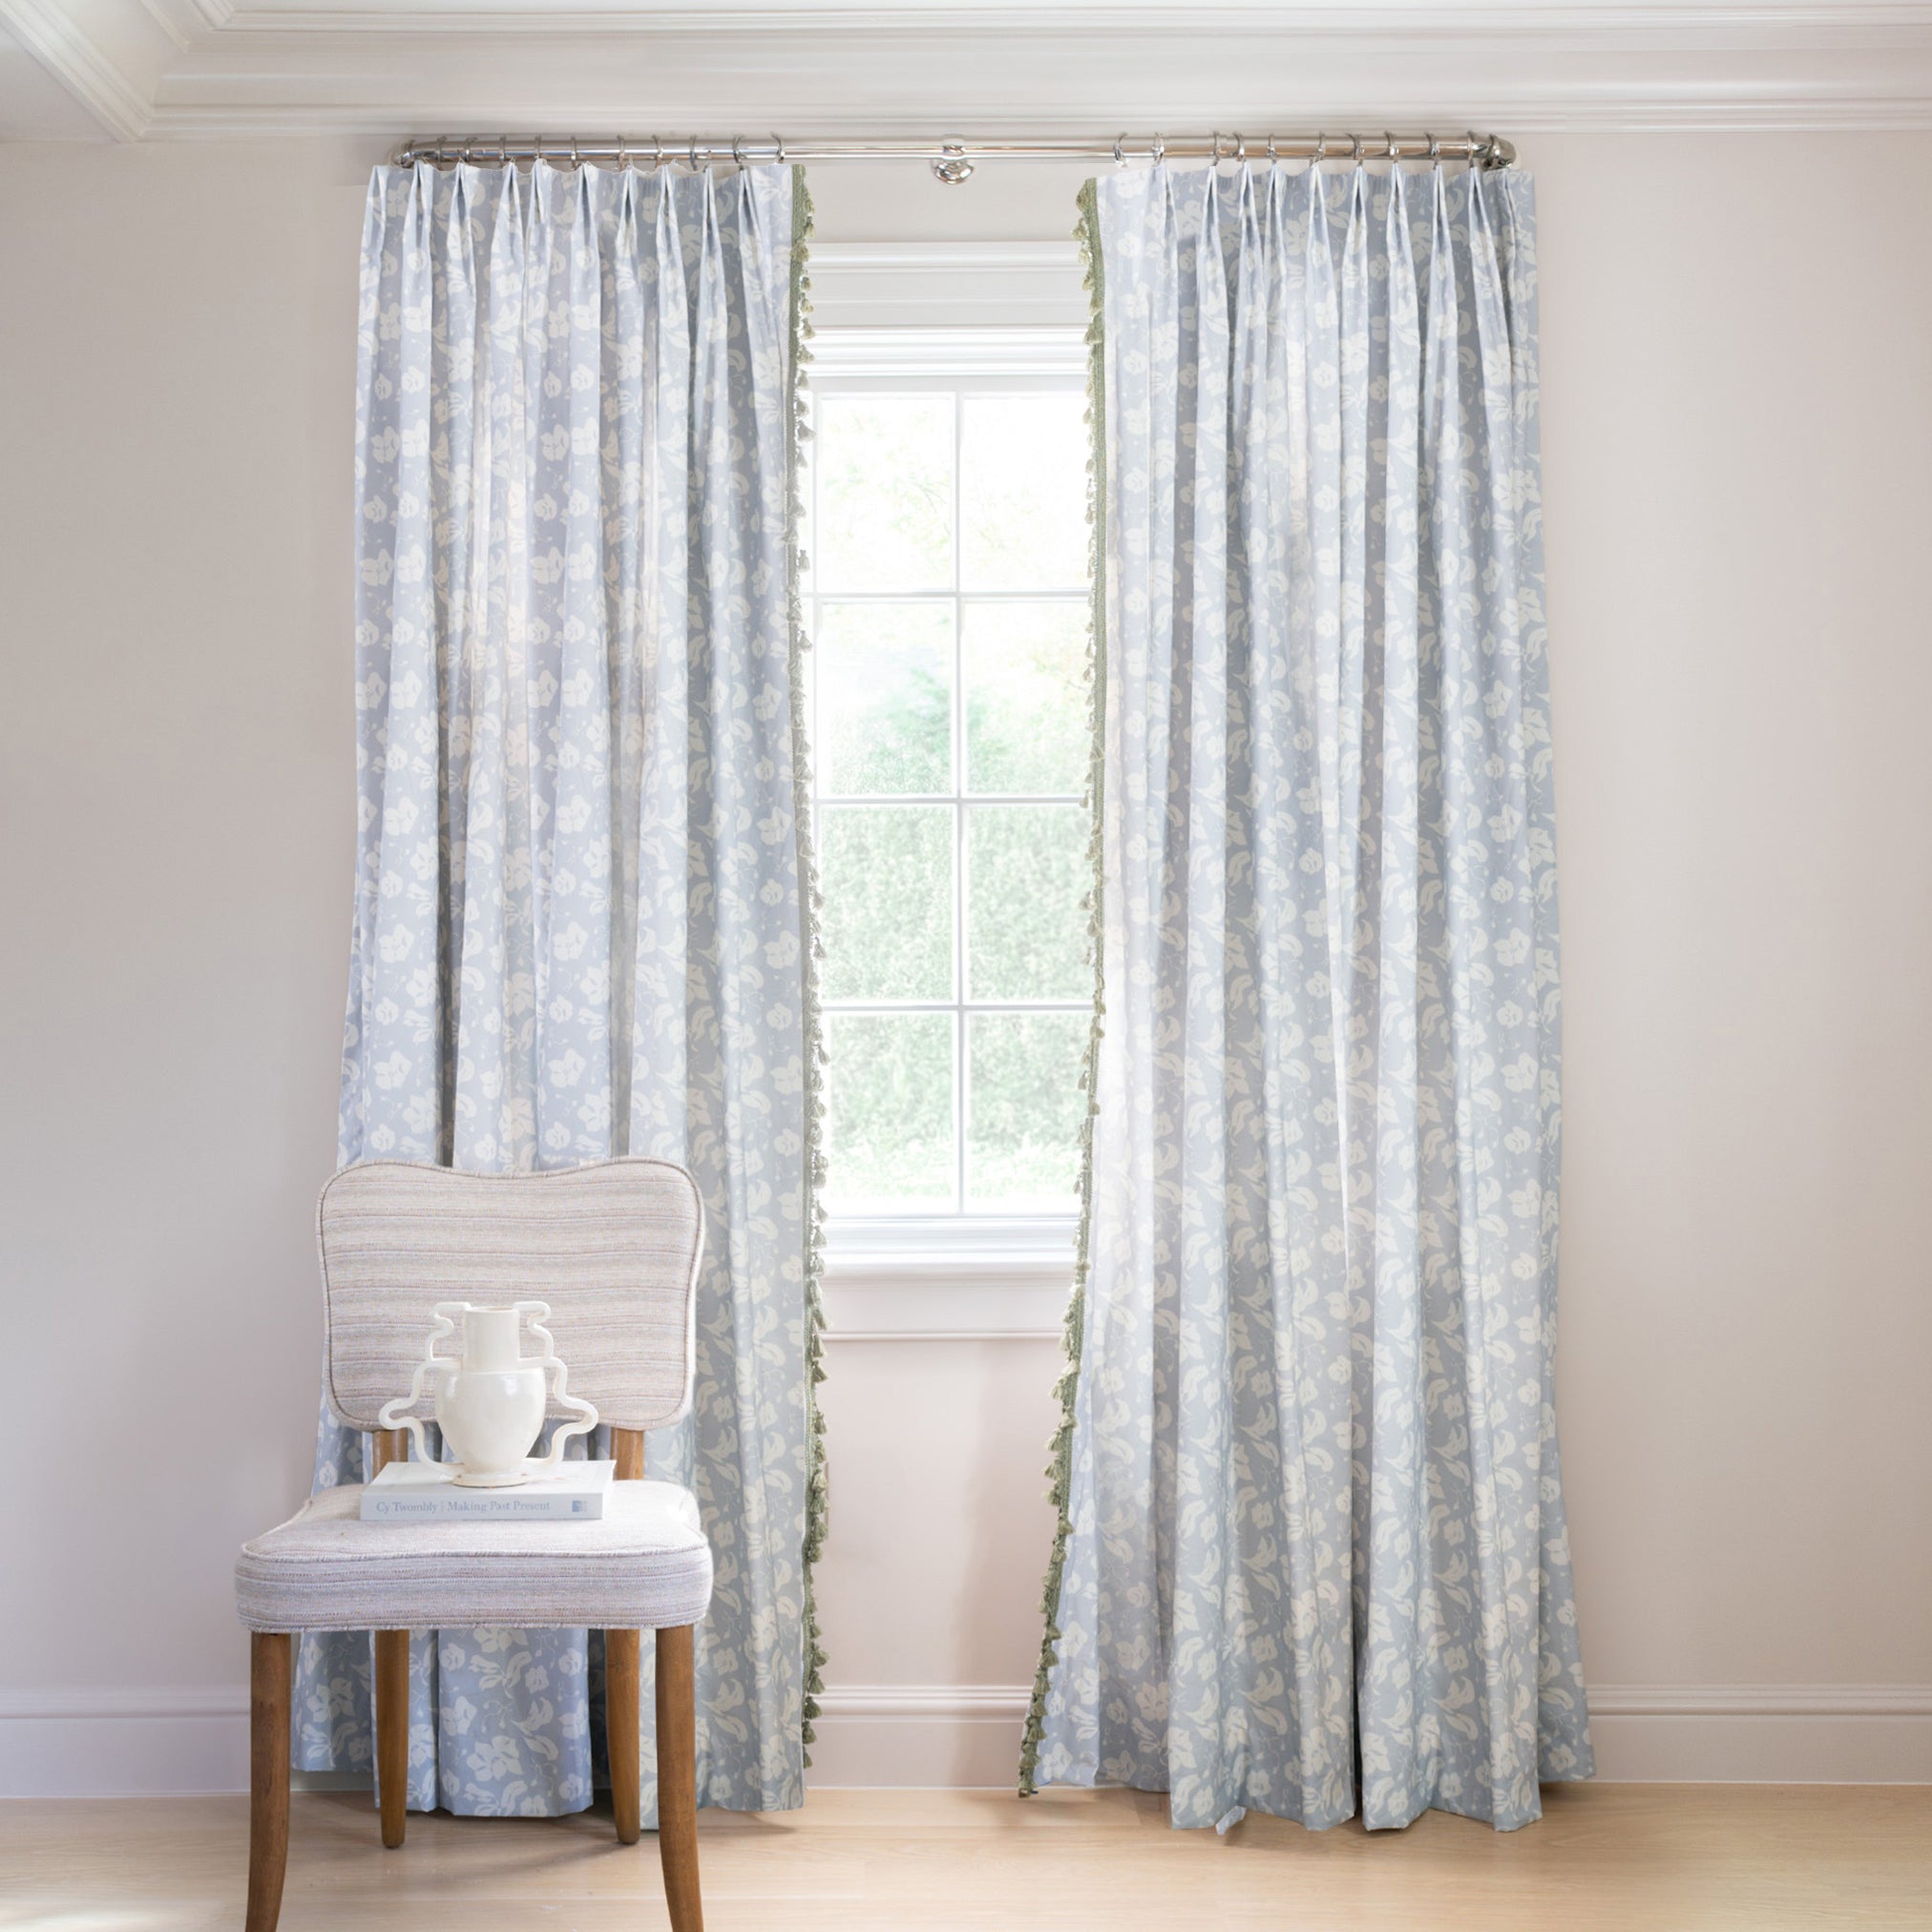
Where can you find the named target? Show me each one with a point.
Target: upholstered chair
(612, 1248)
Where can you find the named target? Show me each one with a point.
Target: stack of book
(428, 1492)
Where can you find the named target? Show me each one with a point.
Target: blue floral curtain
(582, 910)
(1312, 1554)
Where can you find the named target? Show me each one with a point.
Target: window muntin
(947, 605)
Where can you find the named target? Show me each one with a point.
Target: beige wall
(1738, 437)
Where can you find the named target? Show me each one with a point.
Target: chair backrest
(612, 1248)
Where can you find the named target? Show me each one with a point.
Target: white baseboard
(134, 1741)
(918, 1735)
(1725, 1733)
(123, 1741)
(1762, 1733)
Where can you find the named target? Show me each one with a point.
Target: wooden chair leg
(393, 1732)
(271, 1674)
(623, 1658)
(392, 1688)
(678, 1779)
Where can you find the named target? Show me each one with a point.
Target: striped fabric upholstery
(645, 1566)
(611, 1247)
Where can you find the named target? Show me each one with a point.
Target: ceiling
(173, 69)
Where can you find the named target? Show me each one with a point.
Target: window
(948, 604)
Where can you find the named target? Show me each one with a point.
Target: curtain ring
(1435, 152)
(1469, 136)
(575, 159)
(778, 142)
(537, 152)
(1356, 148)
(657, 153)
(1214, 151)
(737, 152)
(1120, 159)
(1320, 149)
(1159, 150)
(697, 166)
(439, 150)
(1388, 142)
(1240, 149)
(623, 154)
(503, 159)
(1272, 157)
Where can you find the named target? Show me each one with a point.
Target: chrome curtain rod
(951, 160)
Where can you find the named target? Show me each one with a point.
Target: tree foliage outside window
(949, 610)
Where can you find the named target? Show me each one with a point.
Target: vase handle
(390, 1416)
(584, 1416)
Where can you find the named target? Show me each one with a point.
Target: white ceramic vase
(489, 1405)
(490, 1401)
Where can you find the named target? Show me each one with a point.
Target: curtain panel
(1312, 1556)
(582, 919)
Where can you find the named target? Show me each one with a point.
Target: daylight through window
(949, 612)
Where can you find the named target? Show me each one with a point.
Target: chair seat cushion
(646, 1565)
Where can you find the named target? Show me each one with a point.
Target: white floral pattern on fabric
(581, 920)
(1314, 1508)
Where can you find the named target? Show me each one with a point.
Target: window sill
(952, 1279)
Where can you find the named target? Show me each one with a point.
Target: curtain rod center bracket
(951, 164)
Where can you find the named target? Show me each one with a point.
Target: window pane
(1024, 1109)
(890, 1102)
(887, 873)
(1024, 491)
(1026, 704)
(885, 697)
(1027, 874)
(885, 492)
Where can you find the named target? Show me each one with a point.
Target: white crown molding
(1660, 20)
(184, 21)
(106, 56)
(214, 69)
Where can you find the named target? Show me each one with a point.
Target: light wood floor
(1604, 1859)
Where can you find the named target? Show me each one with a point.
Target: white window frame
(958, 1275)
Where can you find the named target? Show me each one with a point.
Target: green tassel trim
(811, 906)
(1059, 1453)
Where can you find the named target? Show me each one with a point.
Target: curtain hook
(1356, 148)
(503, 159)
(738, 152)
(1240, 148)
(697, 166)
(657, 153)
(1434, 156)
(623, 154)
(1320, 149)
(1389, 140)
(1120, 159)
(1272, 157)
(439, 150)
(537, 152)
(575, 159)
(1159, 150)
(1469, 136)
(778, 142)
